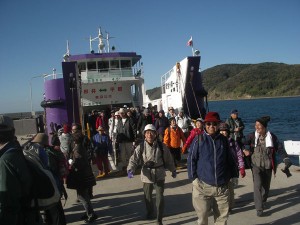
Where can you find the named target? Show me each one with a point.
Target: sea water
(284, 113)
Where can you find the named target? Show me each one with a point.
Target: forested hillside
(239, 81)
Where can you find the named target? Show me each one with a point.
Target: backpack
(45, 192)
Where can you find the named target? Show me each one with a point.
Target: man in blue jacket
(210, 166)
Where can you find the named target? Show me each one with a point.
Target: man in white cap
(16, 180)
(156, 158)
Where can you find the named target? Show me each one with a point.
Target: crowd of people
(218, 153)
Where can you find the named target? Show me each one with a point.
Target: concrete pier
(119, 200)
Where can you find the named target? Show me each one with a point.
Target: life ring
(52, 103)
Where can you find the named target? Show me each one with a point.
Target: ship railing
(164, 79)
(113, 73)
(53, 76)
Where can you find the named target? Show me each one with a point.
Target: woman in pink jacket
(238, 157)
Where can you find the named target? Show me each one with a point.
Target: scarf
(269, 141)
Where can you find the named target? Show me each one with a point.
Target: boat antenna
(101, 45)
(91, 49)
(100, 38)
(107, 41)
(67, 55)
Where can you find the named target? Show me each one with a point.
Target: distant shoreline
(39, 112)
(215, 100)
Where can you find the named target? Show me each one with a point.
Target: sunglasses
(211, 124)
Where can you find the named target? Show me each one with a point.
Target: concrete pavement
(119, 200)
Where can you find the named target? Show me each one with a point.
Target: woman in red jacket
(197, 130)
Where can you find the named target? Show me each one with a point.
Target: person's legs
(106, 164)
(173, 153)
(221, 206)
(201, 197)
(160, 203)
(266, 181)
(122, 147)
(98, 161)
(257, 184)
(61, 214)
(84, 198)
(129, 149)
(231, 194)
(148, 189)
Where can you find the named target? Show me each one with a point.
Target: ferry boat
(109, 79)
(98, 80)
(182, 88)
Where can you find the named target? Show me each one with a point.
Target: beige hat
(41, 138)
(122, 110)
(117, 113)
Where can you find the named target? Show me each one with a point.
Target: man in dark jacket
(236, 126)
(161, 124)
(126, 137)
(262, 146)
(143, 120)
(15, 180)
(210, 166)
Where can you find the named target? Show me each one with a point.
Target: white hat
(149, 127)
(117, 113)
(122, 110)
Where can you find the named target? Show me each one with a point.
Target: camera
(149, 164)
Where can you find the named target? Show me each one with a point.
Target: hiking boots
(91, 218)
(83, 217)
(159, 222)
(259, 213)
(149, 216)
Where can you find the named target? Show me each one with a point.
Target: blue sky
(33, 36)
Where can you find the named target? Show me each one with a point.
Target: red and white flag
(190, 42)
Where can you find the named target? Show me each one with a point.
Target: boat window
(91, 65)
(125, 64)
(103, 65)
(81, 66)
(114, 64)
